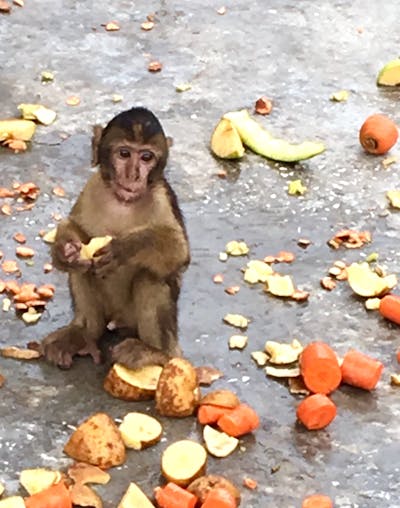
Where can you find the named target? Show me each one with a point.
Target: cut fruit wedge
(88, 250)
(183, 461)
(226, 142)
(135, 498)
(389, 75)
(139, 430)
(37, 112)
(16, 129)
(218, 443)
(36, 480)
(365, 282)
(262, 142)
(127, 384)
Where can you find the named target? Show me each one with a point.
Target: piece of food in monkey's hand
(218, 443)
(36, 480)
(178, 391)
(132, 385)
(139, 430)
(134, 498)
(183, 461)
(89, 250)
(203, 485)
(97, 441)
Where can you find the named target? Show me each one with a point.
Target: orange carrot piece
(389, 308)
(239, 421)
(361, 370)
(219, 498)
(317, 501)
(56, 496)
(398, 356)
(320, 368)
(173, 496)
(209, 414)
(316, 411)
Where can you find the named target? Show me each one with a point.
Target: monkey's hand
(62, 345)
(134, 354)
(67, 256)
(107, 259)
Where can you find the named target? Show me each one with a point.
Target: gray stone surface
(297, 53)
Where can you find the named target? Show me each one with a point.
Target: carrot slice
(317, 501)
(56, 496)
(173, 496)
(219, 498)
(239, 421)
(389, 308)
(316, 411)
(320, 368)
(361, 370)
(209, 414)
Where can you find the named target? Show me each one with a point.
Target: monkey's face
(131, 165)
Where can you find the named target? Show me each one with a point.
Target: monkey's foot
(134, 354)
(62, 345)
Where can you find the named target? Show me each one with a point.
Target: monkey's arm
(66, 248)
(162, 250)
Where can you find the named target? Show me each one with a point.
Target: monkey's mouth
(128, 194)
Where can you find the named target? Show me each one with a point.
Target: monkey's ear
(170, 141)
(97, 132)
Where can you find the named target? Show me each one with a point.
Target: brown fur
(135, 280)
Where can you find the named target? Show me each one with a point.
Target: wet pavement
(298, 53)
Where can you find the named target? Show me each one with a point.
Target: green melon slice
(389, 75)
(263, 143)
(226, 142)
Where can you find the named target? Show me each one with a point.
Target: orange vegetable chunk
(320, 368)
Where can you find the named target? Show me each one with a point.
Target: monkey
(135, 280)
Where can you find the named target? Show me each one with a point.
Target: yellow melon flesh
(226, 142)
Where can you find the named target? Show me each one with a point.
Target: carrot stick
(389, 308)
(239, 421)
(56, 496)
(320, 368)
(361, 370)
(316, 411)
(209, 414)
(219, 498)
(317, 501)
(173, 496)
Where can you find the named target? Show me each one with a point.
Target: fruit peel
(263, 143)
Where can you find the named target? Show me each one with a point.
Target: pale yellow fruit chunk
(365, 282)
(238, 341)
(236, 320)
(139, 430)
(283, 354)
(17, 129)
(38, 112)
(280, 285)
(135, 498)
(218, 443)
(88, 250)
(226, 142)
(235, 248)
(36, 480)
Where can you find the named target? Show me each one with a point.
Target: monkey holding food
(134, 280)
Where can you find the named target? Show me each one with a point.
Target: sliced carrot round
(389, 308)
(239, 421)
(320, 368)
(361, 370)
(316, 411)
(317, 501)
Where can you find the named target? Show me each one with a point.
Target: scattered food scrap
(249, 483)
(183, 87)
(282, 353)
(316, 411)
(155, 66)
(340, 96)
(219, 444)
(112, 26)
(183, 461)
(320, 368)
(350, 239)
(207, 375)
(283, 256)
(139, 430)
(260, 358)
(73, 100)
(238, 341)
(394, 198)
(257, 271)
(361, 370)
(282, 372)
(296, 187)
(134, 496)
(147, 25)
(236, 320)
(46, 76)
(388, 161)
(19, 353)
(263, 106)
(37, 112)
(226, 142)
(235, 248)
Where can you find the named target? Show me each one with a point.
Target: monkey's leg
(154, 306)
(81, 335)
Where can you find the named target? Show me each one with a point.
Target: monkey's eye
(147, 156)
(124, 153)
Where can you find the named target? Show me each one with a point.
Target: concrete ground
(298, 53)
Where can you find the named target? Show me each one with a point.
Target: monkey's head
(132, 151)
